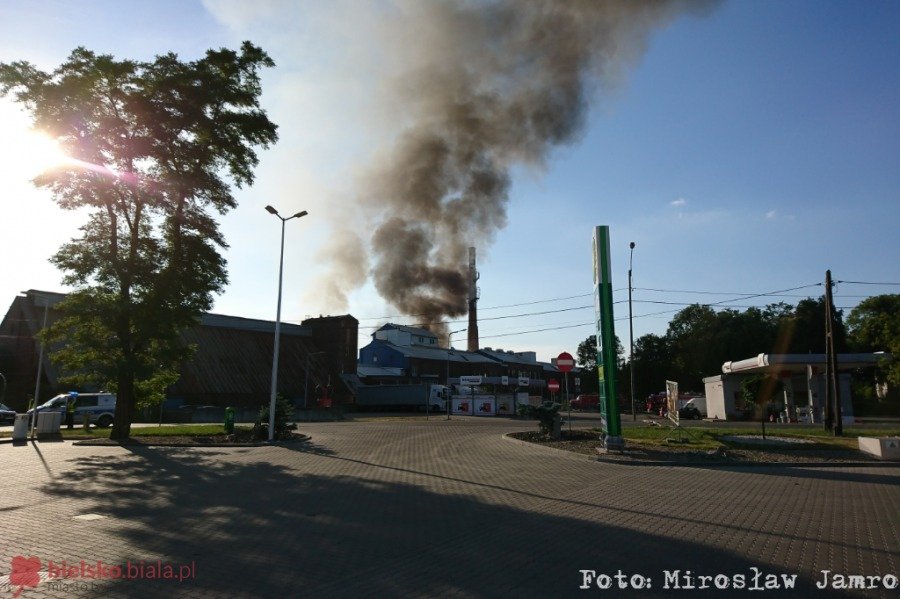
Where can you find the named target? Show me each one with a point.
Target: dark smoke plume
(488, 85)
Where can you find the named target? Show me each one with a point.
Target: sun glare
(25, 153)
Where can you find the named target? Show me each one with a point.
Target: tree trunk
(124, 405)
(125, 392)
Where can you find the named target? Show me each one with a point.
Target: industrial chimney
(474, 294)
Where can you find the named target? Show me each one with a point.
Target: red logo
(25, 573)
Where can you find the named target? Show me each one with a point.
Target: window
(86, 402)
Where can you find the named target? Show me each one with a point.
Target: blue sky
(746, 151)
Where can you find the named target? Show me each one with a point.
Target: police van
(100, 407)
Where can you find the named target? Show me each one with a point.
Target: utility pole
(833, 417)
(631, 335)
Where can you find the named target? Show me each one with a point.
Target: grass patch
(711, 438)
(179, 430)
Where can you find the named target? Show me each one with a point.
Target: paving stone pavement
(437, 508)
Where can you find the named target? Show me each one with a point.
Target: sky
(745, 149)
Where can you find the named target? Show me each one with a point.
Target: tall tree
(875, 326)
(804, 331)
(654, 363)
(692, 335)
(586, 357)
(155, 142)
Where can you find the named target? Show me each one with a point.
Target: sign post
(565, 363)
(552, 385)
(606, 341)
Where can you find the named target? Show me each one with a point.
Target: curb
(713, 464)
(101, 443)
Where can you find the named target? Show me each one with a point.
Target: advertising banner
(485, 406)
(672, 400)
(506, 405)
(462, 405)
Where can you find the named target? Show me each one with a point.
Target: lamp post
(37, 382)
(450, 347)
(278, 321)
(631, 334)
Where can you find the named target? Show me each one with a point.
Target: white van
(101, 407)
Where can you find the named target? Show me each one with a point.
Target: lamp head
(299, 214)
(631, 245)
(271, 210)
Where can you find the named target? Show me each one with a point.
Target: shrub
(284, 419)
(547, 414)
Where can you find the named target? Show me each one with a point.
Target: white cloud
(678, 203)
(771, 214)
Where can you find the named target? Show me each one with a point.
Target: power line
(544, 301)
(728, 292)
(451, 322)
(775, 293)
(742, 295)
(535, 331)
(866, 283)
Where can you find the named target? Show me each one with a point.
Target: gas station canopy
(798, 363)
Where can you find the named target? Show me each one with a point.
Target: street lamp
(37, 382)
(449, 348)
(631, 334)
(271, 210)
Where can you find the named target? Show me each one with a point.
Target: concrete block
(883, 448)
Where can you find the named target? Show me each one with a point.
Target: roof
(366, 370)
(507, 357)
(251, 324)
(407, 329)
(438, 354)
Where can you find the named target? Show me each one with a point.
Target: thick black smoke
(489, 85)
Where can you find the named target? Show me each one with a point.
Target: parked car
(689, 412)
(585, 402)
(100, 407)
(7, 415)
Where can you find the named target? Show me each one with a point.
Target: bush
(548, 415)
(525, 410)
(284, 420)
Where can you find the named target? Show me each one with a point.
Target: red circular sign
(565, 362)
(553, 385)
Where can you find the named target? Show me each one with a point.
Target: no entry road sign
(565, 362)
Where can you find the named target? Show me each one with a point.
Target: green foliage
(156, 141)
(284, 418)
(653, 365)
(875, 326)
(547, 414)
(587, 353)
(804, 331)
(586, 357)
(700, 339)
(758, 391)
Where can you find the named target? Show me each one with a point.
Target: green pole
(606, 341)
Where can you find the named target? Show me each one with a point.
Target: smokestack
(473, 303)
